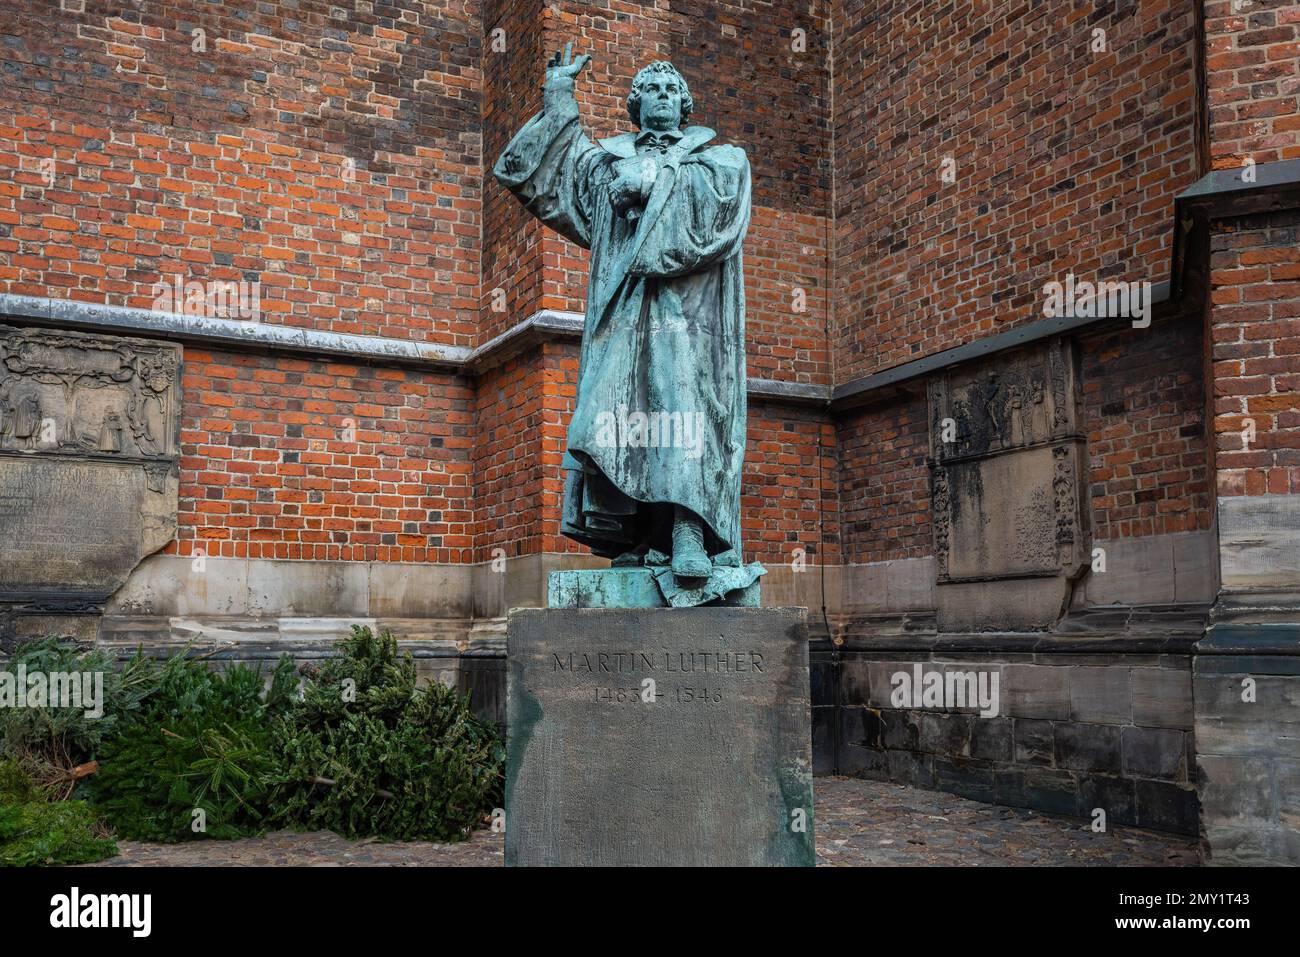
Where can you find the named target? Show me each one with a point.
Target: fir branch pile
(366, 752)
(196, 758)
(185, 751)
(36, 830)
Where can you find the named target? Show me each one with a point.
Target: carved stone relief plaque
(1007, 459)
(89, 438)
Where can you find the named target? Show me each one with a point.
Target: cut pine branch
(330, 782)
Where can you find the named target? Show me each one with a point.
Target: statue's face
(661, 102)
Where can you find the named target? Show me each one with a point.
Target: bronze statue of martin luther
(657, 440)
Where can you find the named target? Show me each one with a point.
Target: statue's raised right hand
(564, 66)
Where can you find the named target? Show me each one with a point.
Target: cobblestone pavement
(858, 822)
(868, 822)
(312, 848)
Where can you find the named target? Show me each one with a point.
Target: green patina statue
(657, 439)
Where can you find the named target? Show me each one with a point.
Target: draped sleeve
(704, 219)
(549, 166)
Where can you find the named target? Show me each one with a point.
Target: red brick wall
(513, 241)
(335, 160)
(282, 458)
(1064, 159)
(786, 296)
(1253, 81)
(1144, 413)
(766, 87)
(1255, 294)
(507, 472)
(523, 415)
(559, 362)
(1252, 78)
(789, 454)
(885, 485)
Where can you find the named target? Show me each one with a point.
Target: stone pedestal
(658, 737)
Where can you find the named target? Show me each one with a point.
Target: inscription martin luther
(632, 662)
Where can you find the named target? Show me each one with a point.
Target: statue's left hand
(631, 184)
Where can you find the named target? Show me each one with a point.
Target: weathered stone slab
(1036, 691)
(1116, 796)
(891, 587)
(1154, 753)
(1162, 697)
(1138, 571)
(1196, 566)
(68, 526)
(1007, 484)
(1259, 541)
(1101, 695)
(1054, 791)
(945, 734)
(1033, 742)
(711, 765)
(1087, 747)
(1166, 806)
(309, 589)
(89, 432)
(990, 739)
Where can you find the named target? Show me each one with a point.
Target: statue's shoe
(628, 560)
(690, 560)
(692, 566)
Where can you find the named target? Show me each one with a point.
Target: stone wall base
(1246, 688)
(1068, 733)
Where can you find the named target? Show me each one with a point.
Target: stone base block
(658, 737)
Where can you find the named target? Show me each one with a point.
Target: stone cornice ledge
(542, 326)
(245, 336)
(236, 334)
(857, 391)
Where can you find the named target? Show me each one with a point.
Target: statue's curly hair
(634, 97)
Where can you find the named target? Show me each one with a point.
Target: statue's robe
(664, 329)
